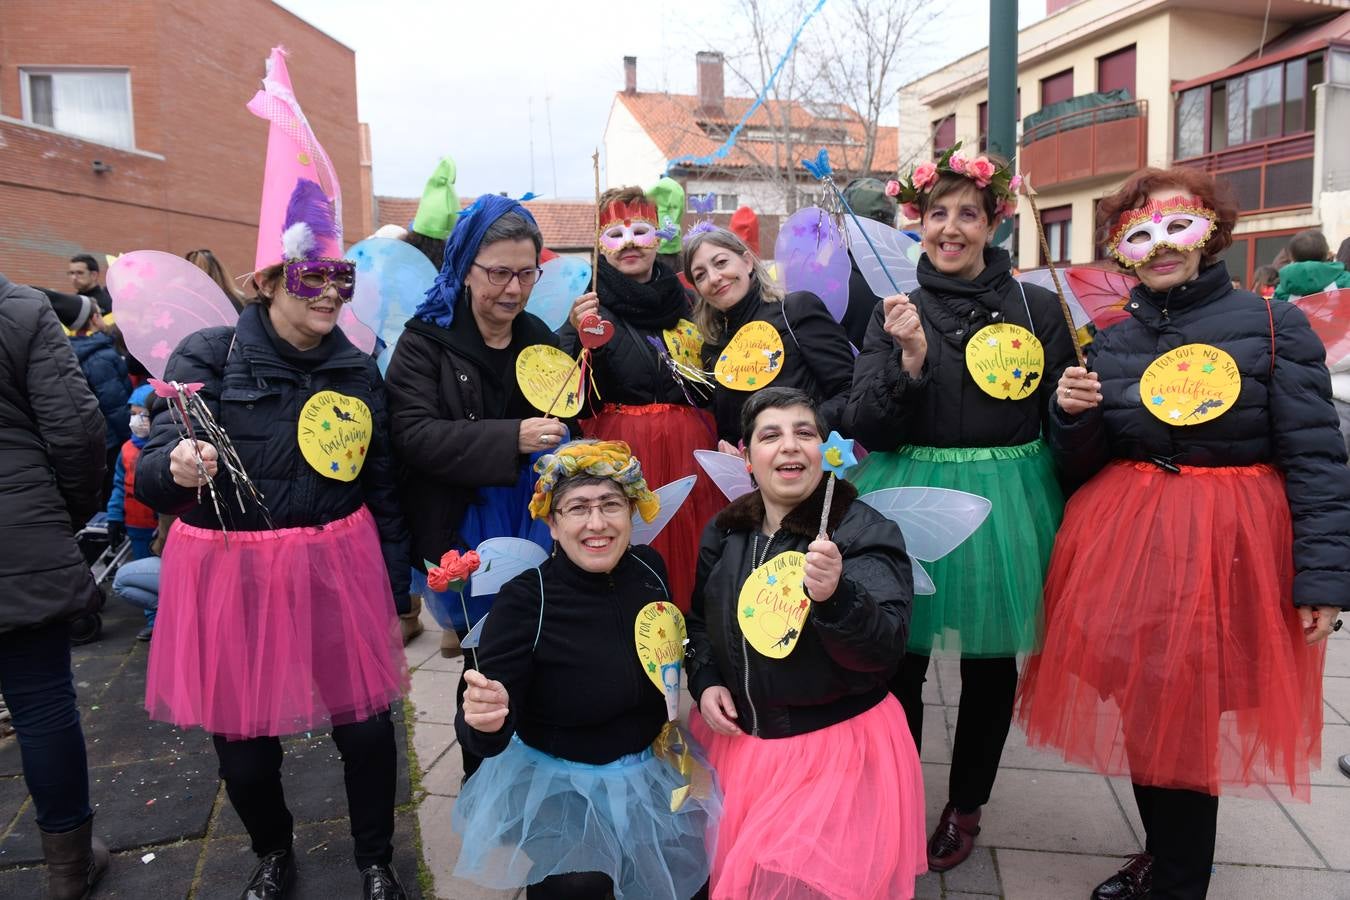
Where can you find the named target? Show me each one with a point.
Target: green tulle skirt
(988, 600)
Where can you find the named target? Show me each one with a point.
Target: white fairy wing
(475, 634)
(890, 251)
(923, 582)
(727, 472)
(934, 521)
(1041, 278)
(500, 560)
(672, 497)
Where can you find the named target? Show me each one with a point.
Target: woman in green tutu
(951, 390)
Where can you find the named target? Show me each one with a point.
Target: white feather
(297, 241)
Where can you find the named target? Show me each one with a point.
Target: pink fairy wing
(1329, 314)
(1101, 293)
(160, 299)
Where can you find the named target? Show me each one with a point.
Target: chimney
(630, 74)
(711, 93)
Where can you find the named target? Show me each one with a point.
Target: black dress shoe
(1132, 882)
(381, 883)
(273, 877)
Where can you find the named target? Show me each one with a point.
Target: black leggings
(572, 886)
(1181, 827)
(988, 688)
(251, 770)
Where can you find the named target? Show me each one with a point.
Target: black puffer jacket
(1283, 414)
(849, 645)
(456, 421)
(944, 407)
(256, 385)
(816, 356)
(51, 465)
(577, 691)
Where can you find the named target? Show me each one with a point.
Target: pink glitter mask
(1180, 223)
(632, 233)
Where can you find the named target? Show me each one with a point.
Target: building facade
(1105, 87)
(123, 127)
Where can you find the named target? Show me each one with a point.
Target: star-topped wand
(836, 457)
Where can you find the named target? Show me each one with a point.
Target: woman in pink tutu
(822, 791)
(278, 617)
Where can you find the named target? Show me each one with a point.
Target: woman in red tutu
(822, 791)
(1200, 566)
(652, 396)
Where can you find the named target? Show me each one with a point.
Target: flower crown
(605, 459)
(985, 172)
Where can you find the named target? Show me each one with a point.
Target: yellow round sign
(334, 434)
(541, 372)
(1006, 361)
(685, 344)
(773, 605)
(752, 359)
(1192, 384)
(659, 634)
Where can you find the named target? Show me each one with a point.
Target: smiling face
(300, 321)
(722, 277)
(1170, 267)
(495, 306)
(956, 230)
(784, 455)
(593, 524)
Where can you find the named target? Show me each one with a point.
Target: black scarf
(963, 296)
(654, 306)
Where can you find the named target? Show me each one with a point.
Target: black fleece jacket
(569, 663)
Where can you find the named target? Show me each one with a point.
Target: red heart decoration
(595, 331)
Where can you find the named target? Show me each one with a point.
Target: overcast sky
(462, 78)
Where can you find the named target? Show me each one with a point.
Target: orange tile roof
(674, 123)
(568, 225)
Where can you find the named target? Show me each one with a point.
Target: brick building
(568, 226)
(123, 127)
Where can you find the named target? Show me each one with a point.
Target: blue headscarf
(460, 252)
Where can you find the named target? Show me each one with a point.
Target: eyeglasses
(501, 275)
(610, 509)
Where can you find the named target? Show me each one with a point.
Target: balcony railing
(1266, 177)
(1086, 144)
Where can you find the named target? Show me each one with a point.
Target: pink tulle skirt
(836, 813)
(276, 632)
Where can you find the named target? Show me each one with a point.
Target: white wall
(631, 157)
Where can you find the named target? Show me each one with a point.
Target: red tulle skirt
(834, 814)
(1173, 652)
(664, 436)
(276, 632)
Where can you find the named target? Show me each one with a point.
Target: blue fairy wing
(889, 256)
(672, 497)
(564, 280)
(392, 278)
(500, 560)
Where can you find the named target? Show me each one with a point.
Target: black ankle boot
(272, 878)
(1132, 882)
(381, 883)
(76, 860)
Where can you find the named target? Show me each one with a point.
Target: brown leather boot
(410, 623)
(953, 839)
(450, 644)
(76, 860)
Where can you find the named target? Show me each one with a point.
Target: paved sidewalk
(1051, 831)
(160, 805)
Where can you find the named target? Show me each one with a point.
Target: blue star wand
(821, 170)
(836, 457)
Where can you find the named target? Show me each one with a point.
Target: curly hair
(1134, 194)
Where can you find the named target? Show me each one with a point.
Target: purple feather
(309, 204)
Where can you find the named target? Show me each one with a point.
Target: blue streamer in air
(722, 151)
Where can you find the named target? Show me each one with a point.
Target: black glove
(117, 533)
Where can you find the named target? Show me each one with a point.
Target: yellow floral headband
(603, 459)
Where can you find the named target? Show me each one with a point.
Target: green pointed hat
(669, 199)
(439, 209)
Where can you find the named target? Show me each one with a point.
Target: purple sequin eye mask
(308, 278)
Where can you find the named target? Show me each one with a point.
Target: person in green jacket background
(1312, 269)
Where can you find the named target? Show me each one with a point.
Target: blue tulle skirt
(526, 815)
(498, 512)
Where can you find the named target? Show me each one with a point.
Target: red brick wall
(193, 64)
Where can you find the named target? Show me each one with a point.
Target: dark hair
(1309, 246)
(579, 480)
(1265, 276)
(269, 276)
(951, 183)
(206, 261)
(1133, 194)
(777, 398)
(1343, 253)
(513, 227)
(628, 194)
(432, 248)
(89, 262)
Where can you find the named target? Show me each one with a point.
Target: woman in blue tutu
(952, 390)
(573, 706)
